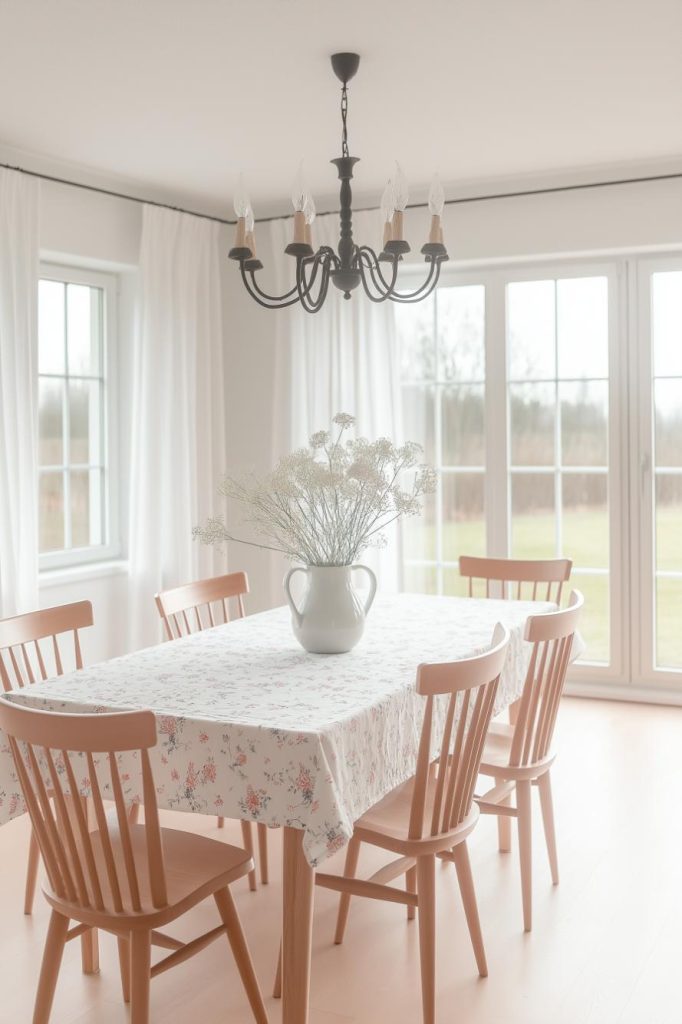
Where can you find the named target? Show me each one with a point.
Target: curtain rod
(547, 190)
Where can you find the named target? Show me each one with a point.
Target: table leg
(297, 919)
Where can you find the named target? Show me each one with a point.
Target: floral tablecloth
(251, 726)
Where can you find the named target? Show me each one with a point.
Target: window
(506, 382)
(75, 315)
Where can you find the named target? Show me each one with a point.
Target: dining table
(251, 726)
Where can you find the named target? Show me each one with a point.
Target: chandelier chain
(344, 119)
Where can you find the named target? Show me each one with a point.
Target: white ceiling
(179, 96)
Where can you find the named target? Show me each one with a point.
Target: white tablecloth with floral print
(251, 726)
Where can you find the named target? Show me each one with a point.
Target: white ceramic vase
(331, 618)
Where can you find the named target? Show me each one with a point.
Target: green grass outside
(585, 539)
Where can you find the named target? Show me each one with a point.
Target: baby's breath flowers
(325, 504)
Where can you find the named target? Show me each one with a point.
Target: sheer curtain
(19, 262)
(342, 359)
(178, 429)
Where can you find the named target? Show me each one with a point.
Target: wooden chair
(520, 755)
(433, 814)
(542, 578)
(181, 612)
(23, 661)
(130, 880)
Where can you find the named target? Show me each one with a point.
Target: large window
(75, 508)
(507, 379)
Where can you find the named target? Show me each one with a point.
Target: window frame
(111, 549)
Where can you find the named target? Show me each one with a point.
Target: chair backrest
(534, 579)
(472, 685)
(23, 659)
(552, 638)
(181, 607)
(54, 755)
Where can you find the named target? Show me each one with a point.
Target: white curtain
(178, 431)
(19, 262)
(342, 359)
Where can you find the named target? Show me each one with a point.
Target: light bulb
(241, 198)
(401, 190)
(387, 202)
(299, 190)
(249, 220)
(436, 197)
(309, 211)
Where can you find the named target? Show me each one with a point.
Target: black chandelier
(351, 264)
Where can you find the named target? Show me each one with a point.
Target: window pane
(585, 521)
(416, 337)
(463, 411)
(669, 523)
(668, 619)
(86, 508)
(668, 418)
(51, 512)
(463, 515)
(419, 532)
(51, 353)
(84, 424)
(461, 333)
(420, 579)
(666, 310)
(584, 423)
(419, 423)
(51, 421)
(531, 330)
(84, 331)
(455, 585)
(594, 623)
(533, 533)
(583, 327)
(532, 414)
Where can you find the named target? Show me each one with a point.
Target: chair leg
(124, 961)
(547, 806)
(263, 852)
(247, 839)
(411, 886)
(466, 887)
(134, 814)
(351, 866)
(31, 873)
(426, 893)
(240, 950)
(140, 976)
(49, 971)
(525, 850)
(277, 987)
(503, 825)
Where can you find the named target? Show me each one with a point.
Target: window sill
(75, 573)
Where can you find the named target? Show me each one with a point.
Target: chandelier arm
(368, 261)
(262, 298)
(426, 288)
(309, 304)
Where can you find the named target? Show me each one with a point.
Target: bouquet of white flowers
(324, 505)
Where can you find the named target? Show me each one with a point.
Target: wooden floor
(606, 946)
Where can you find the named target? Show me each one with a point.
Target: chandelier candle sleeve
(350, 264)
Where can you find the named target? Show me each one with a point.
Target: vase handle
(372, 585)
(298, 618)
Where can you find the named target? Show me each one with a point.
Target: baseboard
(634, 694)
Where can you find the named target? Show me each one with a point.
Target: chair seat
(387, 823)
(497, 752)
(196, 867)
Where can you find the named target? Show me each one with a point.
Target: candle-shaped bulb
(436, 197)
(401, 190)
(299, 190)
(249, 224)
(241, 198)
(387, 207)
(309, 213)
